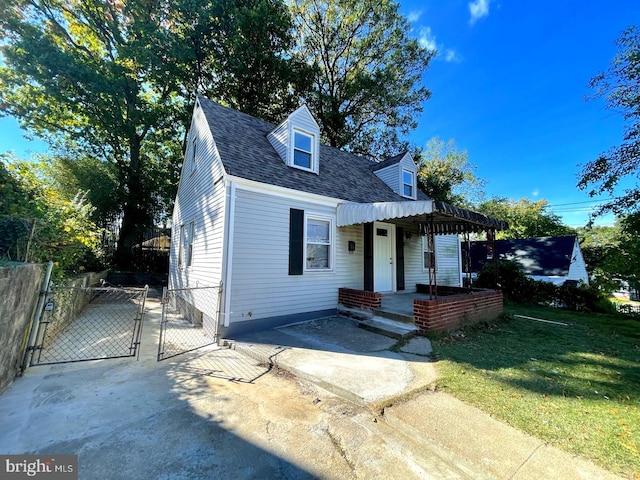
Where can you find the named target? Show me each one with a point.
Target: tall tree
(620, 88)
(367, 83)
(445, 173)
(526, 218)
(113, 79)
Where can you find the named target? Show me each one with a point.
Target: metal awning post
(467, 259)
(431, 247)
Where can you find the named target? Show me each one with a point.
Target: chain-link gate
(189, 319)
(79, 324)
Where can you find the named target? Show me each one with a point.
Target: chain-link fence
(189, 319)
(80, 324)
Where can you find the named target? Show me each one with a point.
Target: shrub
(518, 288)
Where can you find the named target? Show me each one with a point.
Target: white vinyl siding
(578, 267)
(200, 199)
(389, 175)
(447, 261)
(261, 286)
(278, 139)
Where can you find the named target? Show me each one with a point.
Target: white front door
(383, 235)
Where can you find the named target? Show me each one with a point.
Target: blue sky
(508, 85)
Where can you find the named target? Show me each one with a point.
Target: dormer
(400, 173)
(297, 140)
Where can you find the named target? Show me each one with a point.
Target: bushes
(38, 224)
(519, 288)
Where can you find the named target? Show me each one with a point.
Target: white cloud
(535, 193)
(452, 56)
(478, 9)
(428, 40)
(414, 16)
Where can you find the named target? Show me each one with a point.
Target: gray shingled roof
(546, 256)
(389, 161)
(246, 152)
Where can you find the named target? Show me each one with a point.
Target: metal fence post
(37, 315)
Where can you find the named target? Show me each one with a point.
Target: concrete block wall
(456, 311)
(352, 298)
(19, 289)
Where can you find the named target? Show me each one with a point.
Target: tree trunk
(135, 213)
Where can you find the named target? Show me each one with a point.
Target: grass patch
(575, 387)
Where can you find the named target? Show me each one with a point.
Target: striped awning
(443, 217)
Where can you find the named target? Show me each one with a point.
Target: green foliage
(113, 81)
(367, 82)
(445, 173)
(526, 219)
(97, 178)
(620, 88)
(613, 253)
(42, 225)
(245, 55)
(517, 287)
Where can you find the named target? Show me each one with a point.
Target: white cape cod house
(284, 222)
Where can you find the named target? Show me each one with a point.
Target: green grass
(575, 387)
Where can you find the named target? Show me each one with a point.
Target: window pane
(301, 159)
(408, 191)
(317, 231)
(317, 256)
(407, 177)
(302, 142)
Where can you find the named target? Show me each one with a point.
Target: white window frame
(412, 184)
(312, 153)
(332, 236)
(194, 144)
(423, 250)
(180, 246)
(191, 238)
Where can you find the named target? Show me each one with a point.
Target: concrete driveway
(220, 413)
(214, 413)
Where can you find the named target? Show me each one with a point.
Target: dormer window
(408, 184)
(302, 150)
(297, 141)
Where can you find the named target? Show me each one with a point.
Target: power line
(580, 203)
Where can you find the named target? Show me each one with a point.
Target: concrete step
(398, 317)
(389, 328)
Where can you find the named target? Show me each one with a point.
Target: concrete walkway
(220, 413)
(358, 366)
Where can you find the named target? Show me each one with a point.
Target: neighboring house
(283, 221)
(549, 259)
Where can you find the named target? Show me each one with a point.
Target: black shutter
(399, 258)
(368, 257)
(296, 242)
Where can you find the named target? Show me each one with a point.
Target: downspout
(228, 255)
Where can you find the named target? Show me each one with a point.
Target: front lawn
(576, 387)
